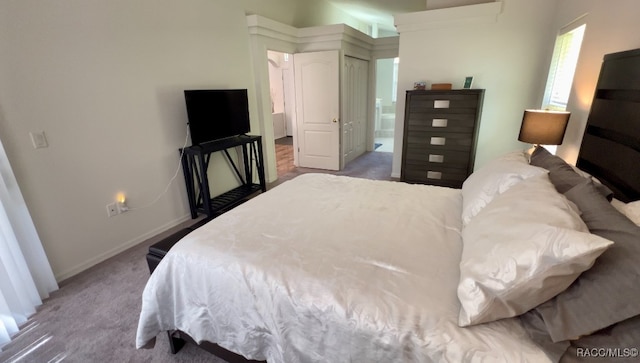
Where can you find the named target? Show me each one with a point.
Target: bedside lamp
(540, 127)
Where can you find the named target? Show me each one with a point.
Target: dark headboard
(610, 147)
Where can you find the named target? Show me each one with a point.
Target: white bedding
(329, 269)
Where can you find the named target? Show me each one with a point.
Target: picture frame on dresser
(420, 85)
(440, 136)
(468, 82)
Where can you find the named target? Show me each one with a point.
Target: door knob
(335, 120)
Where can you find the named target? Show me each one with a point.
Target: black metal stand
(195, 163)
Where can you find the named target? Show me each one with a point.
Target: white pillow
(492, 179)
(631, 210)
(522, 249)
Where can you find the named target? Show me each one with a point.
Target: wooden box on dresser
(440, 136)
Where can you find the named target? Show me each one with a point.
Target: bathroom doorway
(282, 91)
(385, 113)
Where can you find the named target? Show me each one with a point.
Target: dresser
(440, 136)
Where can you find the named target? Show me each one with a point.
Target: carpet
(93, 317)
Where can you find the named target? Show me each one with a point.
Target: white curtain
(25, 274)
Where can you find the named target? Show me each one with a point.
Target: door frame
(266, 34)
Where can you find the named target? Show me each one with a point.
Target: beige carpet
(93, 318)
(371, 165)
(94, 315)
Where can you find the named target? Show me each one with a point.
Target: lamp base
(530, 151)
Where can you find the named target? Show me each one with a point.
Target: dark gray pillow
(562, 174)
(534, 325)
(624, 336)
(609, 291)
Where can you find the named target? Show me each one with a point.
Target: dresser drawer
(436, 157)
(441, 122)
(439, 140)
(450, 177)
(443, 102)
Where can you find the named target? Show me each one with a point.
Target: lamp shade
(543, 127)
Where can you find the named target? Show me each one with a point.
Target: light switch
(38, 139)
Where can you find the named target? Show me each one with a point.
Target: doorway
(281, 86)
(385, 111)
(315, 125)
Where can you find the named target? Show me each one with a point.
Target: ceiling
(379, 11)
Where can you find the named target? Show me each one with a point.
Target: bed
(326, 268)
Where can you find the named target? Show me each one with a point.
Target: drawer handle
(433, 158)
(438, 140)
(439, 122)
(434, 175)
(441, 104)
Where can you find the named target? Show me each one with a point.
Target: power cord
(175, 175)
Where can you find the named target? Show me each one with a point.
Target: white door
(317, 82)
(354, 108)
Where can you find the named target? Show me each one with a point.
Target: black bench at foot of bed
(159, 249)
(178, 339)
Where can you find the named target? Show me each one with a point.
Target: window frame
(564, 61)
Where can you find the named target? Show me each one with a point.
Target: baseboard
(122, 247)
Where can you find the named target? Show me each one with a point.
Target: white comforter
(329, 269)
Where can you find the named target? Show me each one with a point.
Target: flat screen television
(216, 114)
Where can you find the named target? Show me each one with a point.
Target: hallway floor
(370, 165)
(284, 155)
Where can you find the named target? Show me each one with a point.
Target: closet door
(354, 108)
(317, 82)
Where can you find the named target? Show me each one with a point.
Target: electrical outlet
(112, 209)
(121, 207)
(38, 139)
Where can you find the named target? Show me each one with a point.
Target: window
(563, 67)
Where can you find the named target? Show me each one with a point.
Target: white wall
(384, 82)
(104, 81)
(611, 27)
(508, 58)
(320, 12)
(276, 59)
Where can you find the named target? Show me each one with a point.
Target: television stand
(195, 163)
